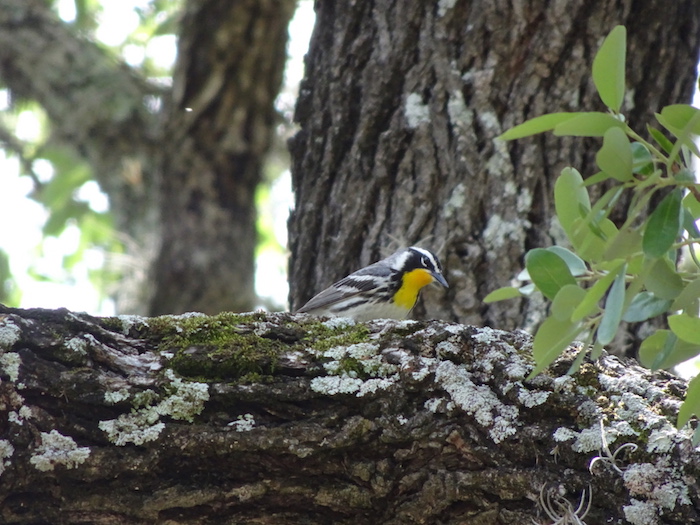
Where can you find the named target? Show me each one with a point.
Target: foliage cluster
(641, 269)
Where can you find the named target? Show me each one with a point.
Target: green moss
(587, 376)
(242, 347)
(113, 324)
(321, 338)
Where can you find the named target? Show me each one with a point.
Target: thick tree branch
(94, 103)
(284, 419)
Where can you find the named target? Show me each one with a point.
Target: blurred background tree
(177, 143)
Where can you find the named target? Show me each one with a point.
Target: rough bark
(180, 166)
(399, 110)
(284, 419)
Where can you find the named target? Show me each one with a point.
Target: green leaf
(684, 134)
(590, 237)
(685, 175)
(688, 299)
(641, 159)
(663, 280)
(660, 139)
(666, 350)
(615, 157)
(576, 365)
(663, 226)
(596, 351)
(570, 197)
(691, 204)
(591, 124)
(548, 271)
(691, 405)
(614, 304)
(689, 224)
(652, 346)
(626, 242)
(609, 68)
(58, 217)
(552, 337)
(679, 116)
(645, 305)
(663, 354)
(595, 293)
(507, 292)
(576, 265)
(536, 125)
(601, 176)
(686, 327)
(568, 298)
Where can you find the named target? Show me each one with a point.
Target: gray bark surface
(398, 113)
(284, 419)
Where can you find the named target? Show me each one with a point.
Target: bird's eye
(424, 261)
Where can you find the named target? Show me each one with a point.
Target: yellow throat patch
(411, 284)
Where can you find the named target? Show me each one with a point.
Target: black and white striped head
(415, 258)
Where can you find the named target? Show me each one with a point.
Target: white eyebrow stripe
(427, 254)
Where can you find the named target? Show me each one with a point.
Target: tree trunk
(399, 110)
(220, 127)
(180, 167)
(283, 419)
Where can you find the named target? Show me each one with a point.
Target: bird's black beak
(440, 279)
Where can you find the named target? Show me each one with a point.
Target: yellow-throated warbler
(386, 289)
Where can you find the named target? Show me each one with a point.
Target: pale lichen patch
(477, 400)
(57, 449)
(373, 385)
(129, 321)
(137, 427)
(6, 451)
(564, 434)
(78, 345)
(657, 483)
(457, 201)
(10, 363)
(10, 333)
(244, 423)
(444, 6)
(116, 396)
(415, 111)
(532, 398)
(661, 440)
(335, 323)
(641, 512)
(591, 439)
(185, 400)
(333, 385)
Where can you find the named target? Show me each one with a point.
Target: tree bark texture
(399, 110)
(180, 165)
(286, 419)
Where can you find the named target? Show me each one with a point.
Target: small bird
(386, 289)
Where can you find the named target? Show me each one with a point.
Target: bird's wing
(354, 284)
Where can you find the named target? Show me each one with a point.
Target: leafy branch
(632, 272)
